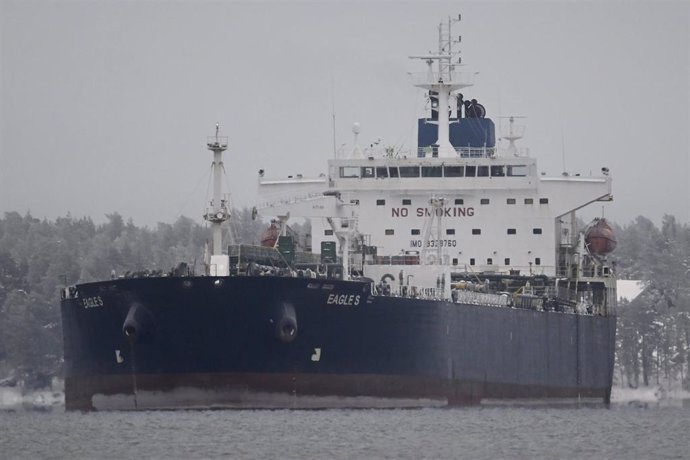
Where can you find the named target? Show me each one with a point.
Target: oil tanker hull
(271, 342)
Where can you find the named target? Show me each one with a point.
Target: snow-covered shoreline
(12, 398)
(653, 395)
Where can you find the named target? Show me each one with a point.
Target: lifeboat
(600, 239)
(270, 235)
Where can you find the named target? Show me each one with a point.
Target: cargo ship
(453, 273)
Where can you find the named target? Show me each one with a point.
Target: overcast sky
(105, 106)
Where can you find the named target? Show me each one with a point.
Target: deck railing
(463, 152)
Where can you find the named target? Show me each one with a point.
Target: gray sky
(105, 106)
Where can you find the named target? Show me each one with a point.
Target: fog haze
(106, 106)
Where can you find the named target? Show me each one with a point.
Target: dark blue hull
(203, 342)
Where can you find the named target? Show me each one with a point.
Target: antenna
(356, 149)
(333, 112)
(563, 149)
(514, 133)
(443, 84)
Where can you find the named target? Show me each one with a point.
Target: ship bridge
(433, 174)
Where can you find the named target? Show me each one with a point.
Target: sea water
(622, 431)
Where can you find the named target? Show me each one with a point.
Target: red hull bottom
(303, 391)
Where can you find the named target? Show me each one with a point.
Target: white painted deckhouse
(458, 200)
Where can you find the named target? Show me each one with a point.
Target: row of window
(490, 261)
(484, 201)
(384, 172)
(449, 231)
(475, 231)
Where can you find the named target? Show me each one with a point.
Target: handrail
(463, 152)
(289, 200)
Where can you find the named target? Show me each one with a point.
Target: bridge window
(537, 261)
(389, 231)
(476, 231)
(512, 231)
(367, 172)
(506, 261)
(472, 261)
(483, 171)
(459, 201)
(415, 231)
(517, 170)
(450, 231)
(407, 202)
(382, 172)
(484, 201)
(431, 171)
(347, 172)
(498, 171)
(470, 171)
(510, 201)
(453, 171)
(409, 171)
(489, 261)
(543, 201)
(536, 231)
(529, 201)
(393, 171)
(380, 202)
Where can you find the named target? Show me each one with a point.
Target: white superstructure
(465, 206)
(497, 212)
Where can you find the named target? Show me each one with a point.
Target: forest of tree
(38, 256)
(653, 336)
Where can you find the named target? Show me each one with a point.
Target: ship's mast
(444, 82)
(218, 212)
(515, 133)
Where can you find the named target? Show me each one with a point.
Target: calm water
(620, 432)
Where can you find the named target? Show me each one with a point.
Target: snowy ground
(654, 395)
(45, 400)
(13, 399)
